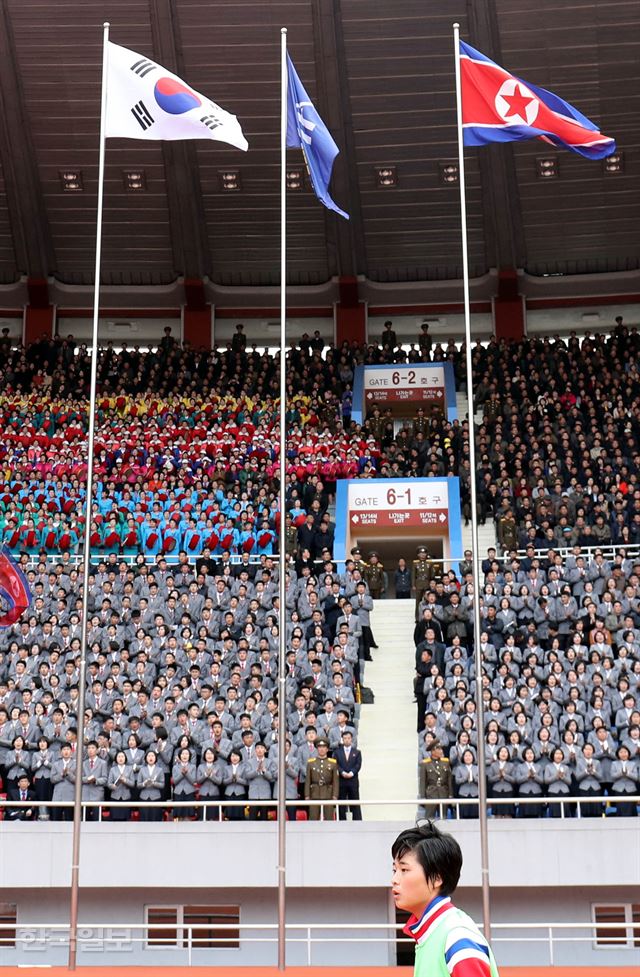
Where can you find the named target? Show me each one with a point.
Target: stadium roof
(381, 73)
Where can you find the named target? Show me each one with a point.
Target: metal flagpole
(282, 678)
(477, 629)
(77, 806)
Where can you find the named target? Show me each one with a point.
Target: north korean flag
(498, 107)
(14, 590)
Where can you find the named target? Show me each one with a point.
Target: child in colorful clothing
(426, 869)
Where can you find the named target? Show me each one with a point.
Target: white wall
(102, 916)
(327, 855)
(119, 329)
(266, 332)
(516, 948)
(442, 328)
(107, 919)
(585, 318)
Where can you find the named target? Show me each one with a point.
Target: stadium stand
(183, 633)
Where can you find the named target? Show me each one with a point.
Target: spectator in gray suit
(184, 784)
(466, 782)
(150, 783)
(17, 762)
(529, 778)
(209, 777)
(624, 780)
(235, 784)
(588, 777)
(261, 773)
(41, 766)
(63, 779)
(292, 773)
(94, 780)
(557, 777)
(120, 783)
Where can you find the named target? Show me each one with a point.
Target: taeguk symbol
(174, 97)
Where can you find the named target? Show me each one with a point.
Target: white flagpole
(477, 627)
(77, 805)
(282, 678)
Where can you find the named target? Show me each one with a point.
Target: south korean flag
(145, 101)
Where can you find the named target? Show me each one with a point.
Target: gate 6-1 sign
(418, 503)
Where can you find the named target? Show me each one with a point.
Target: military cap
(322, 742)
(421, 549)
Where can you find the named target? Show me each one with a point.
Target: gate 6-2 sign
(403, 383)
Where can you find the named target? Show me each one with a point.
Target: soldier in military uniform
(376, 424)
(374, 575)
(420, 422)
(435, 778)
(358, 562)
(322, 782)
(420, 575)
(508, 531)
(291, 536)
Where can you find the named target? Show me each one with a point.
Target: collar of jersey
(419, 927)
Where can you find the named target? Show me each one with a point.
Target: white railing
(454, 805)
(123, 937)
(609, 551)
(131, 559)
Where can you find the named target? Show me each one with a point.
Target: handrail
(608, 550)
(95, 936)
(322, 926)
(440, 802)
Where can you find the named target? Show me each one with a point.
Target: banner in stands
(384, 508)
(404, 387)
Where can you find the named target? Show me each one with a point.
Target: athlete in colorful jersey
(426, 869)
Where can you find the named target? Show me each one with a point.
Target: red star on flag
(518, 103)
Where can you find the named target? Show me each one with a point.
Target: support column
(196, 317)
(39, 314)
(351, 314)
(509, 308)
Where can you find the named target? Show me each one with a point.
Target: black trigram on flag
(210, 122)
(142, 115)
(143, 67)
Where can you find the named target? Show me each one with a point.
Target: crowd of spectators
(560, 683)
(187, 463)
(187, 440)
(182, 675)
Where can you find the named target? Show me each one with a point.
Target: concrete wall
(108, 917)
(516, 948)
(337, 872)
(324, 855)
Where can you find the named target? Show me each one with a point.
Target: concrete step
(387, 732)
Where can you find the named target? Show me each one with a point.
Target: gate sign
(415, 503)
(410, 384)
(383, 509)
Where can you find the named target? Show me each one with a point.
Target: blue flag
(307, 131)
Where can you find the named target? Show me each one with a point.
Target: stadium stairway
(387, 733)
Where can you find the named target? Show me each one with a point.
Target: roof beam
(33, 245)
(345, 239)
(504, 228)
(190, 243)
